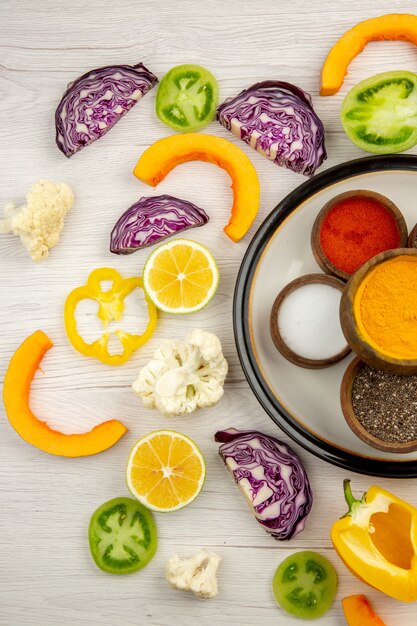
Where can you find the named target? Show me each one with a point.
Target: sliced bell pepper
(377, 541)
(111, 308)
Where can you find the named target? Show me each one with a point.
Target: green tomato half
(305, 584)
(380, 113)
(122, 536)
(187, 98)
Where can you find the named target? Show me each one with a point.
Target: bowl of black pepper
(380, 407)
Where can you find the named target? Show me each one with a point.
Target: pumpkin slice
(358, 612)
(16, 391)
(393, 26)
(162, 156)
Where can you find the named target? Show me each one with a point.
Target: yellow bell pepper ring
(377, 541)
(111, 307)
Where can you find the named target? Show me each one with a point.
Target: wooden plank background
(46, 573)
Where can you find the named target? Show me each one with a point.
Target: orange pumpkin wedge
(358, 612)
(393, 26)
(162, 156)
(16, 391)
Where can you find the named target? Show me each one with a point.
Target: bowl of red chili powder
(352, 228)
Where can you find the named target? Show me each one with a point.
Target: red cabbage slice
(278, 120)
(94, 102)
(271, 477)
(150, 220)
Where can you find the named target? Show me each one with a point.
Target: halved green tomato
(380, 113)
(187, 98)
(122, 536)
(305, 584)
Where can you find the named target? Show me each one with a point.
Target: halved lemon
(180, 276)
(165, 470)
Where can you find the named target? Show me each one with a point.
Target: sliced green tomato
(305, 584)
(122, 536)
(187, 98)
(380, 113)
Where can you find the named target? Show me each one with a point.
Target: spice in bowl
(305, 325)
(386, 404)
(412, 238)
(352, 228)
(385, 307)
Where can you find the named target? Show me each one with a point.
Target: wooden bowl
(279, 342)
(412, 238)
(371, 355)
(323, 262)
(353, 422)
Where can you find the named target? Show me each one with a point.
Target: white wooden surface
(46, 573)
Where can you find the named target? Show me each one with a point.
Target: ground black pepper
(386, 404)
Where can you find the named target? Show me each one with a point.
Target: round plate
(306, 403)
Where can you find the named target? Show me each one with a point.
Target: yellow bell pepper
(111, 308)
(377, 541)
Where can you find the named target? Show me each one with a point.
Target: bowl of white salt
(304, 322)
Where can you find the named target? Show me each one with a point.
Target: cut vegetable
(111, 304)
(305, 584)
(183, 376)
(180, 276)
(94, 102)
(122, 536)
(196, 574)
(358, 612)
(150, 220)
(377, 541)
(277, 120)
(380, 113)
(187, 98)
(17, 381)
(40, 221)
(271, 477)
(391, 26)
(160, 158)
(165, 471)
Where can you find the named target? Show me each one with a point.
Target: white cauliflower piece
(196, 574)
(40, 221)
(183, 375)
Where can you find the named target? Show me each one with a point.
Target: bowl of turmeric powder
(378, 311)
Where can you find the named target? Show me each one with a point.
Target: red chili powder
(356, 229)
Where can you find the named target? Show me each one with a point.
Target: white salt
(308, 321)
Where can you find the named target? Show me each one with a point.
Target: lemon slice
(180, 276)
(165, 470)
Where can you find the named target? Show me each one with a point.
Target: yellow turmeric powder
(385, 308)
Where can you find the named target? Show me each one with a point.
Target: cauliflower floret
(40, 221)
(196, 574)
(183, 375)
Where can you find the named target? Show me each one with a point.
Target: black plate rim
(320, 448)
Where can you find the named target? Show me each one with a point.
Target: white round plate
(305, 403)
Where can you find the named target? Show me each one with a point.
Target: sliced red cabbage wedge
(93, 103)
(150, 220)
(278, 120)
(271, 477)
